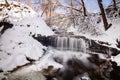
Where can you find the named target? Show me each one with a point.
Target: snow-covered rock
(15, 11)
(16, 43)
(26, 76)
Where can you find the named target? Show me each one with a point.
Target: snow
(35, 25)
(26, 76)
(116, 59)
(16, 11)
(93, 30)
(44, 62)
(114, 31)
(16, 43)
(71, 29)
(49, 60)
(2, 1)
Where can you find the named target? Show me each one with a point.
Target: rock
(64, 42)
(27, 76)
(115, 73)
(6, 25)
(50, 73)
(1, 70)
(3, 77)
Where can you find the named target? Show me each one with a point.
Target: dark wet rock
(95, 67)
(20, 43)
(6, 25)
(1, 70)
(58, 60)
(2, 76)
(115, 73)
(99, 48)
(118, 43)
(28, 25)
(50, 73)
(4, 79)
(30, 60)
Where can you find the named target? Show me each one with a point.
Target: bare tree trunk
(72, 13)
(106, 26)
(7, 4)
(30, 3)
(44, 11)
(114, 4)
(50, 10)
(18, 0)
(84, 9)
(25, 1)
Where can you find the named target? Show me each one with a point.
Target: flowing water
(69, 43)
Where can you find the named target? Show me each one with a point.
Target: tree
(72, 13)
(114, 4)
(30, 3)
(18, 0)
(7, 4)
(106, 25)
(48, 7)
(84, 9)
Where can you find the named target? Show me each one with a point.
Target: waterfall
(76, 43)
(69, 43)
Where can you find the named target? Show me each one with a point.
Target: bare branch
(67, 6)
(84, 9)
(7, 4)
(114, 4)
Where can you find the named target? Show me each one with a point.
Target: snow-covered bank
(16, 43)
(110, 36)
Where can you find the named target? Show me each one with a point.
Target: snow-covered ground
(16, 43)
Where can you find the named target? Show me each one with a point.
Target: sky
(91, 5)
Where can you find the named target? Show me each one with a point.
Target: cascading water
(76, 43)
(69, 43)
